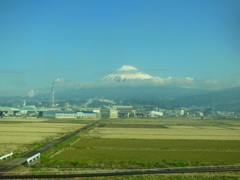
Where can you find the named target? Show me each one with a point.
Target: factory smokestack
(52, 99)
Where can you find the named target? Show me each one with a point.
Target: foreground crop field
(174, 132)
(138, 153)
(169, 129)
(137, 143)
(121, 144)
(19, 135)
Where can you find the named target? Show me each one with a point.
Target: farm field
(173, 132)
(20, 135)
(169, 128)
(159, 143)
(138, 153)
(146, 143)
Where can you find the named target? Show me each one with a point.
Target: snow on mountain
(130, 75)
(126, 73)
(127, 68)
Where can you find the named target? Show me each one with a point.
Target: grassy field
(146, 143)
(138, 153)
(137, 143)
(19, 135)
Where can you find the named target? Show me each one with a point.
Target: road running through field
(13, 163)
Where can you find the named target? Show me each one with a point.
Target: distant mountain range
(224, 100)
(162, 97)
(120, 93)
(128, 86)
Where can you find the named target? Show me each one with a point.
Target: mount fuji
(127, 73)
(130, 83)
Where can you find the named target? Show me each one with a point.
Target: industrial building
(142, 114)
(175, 113)
(59, 114)
(88, 115)
(18, 111)
(125, 111)
(109, 113)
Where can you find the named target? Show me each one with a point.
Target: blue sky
(84, 40)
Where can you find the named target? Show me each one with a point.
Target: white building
(88, 114)
(59, 114)
(155, 114)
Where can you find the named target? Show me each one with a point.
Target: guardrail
(6, 156)
(32, 159)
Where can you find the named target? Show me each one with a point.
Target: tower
(52, 99)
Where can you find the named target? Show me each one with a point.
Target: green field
(138, 153)
(124, 144)
(153, 143)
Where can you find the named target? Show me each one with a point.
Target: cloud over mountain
(131, 74)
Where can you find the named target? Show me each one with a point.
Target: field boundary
(200, 169)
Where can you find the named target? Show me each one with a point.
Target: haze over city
(80, 42)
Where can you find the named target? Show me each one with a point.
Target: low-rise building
(142, 114)
(109, 113)
(59, 114)
(155, 114)
(175, 112)
(88, 115)
(125, 111)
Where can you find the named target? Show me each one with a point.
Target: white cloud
(58, 80)
(31, 93)
(130, 73)
(186, 82)
(130, 76)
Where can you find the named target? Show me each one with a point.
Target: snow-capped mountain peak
(126, 73)
(127, 68)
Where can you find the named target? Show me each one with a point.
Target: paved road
(13, 163)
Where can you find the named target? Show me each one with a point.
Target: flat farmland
(137, 143)
(170, 128)
(137, 153)
(20, 135)
(173, 132)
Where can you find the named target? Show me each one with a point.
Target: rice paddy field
(119, 144)
(20, 135)
(139, 143)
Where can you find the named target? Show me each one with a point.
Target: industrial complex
(101, 108)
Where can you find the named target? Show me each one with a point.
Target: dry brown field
(168, 128)
(22, 134)
(173, 132)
